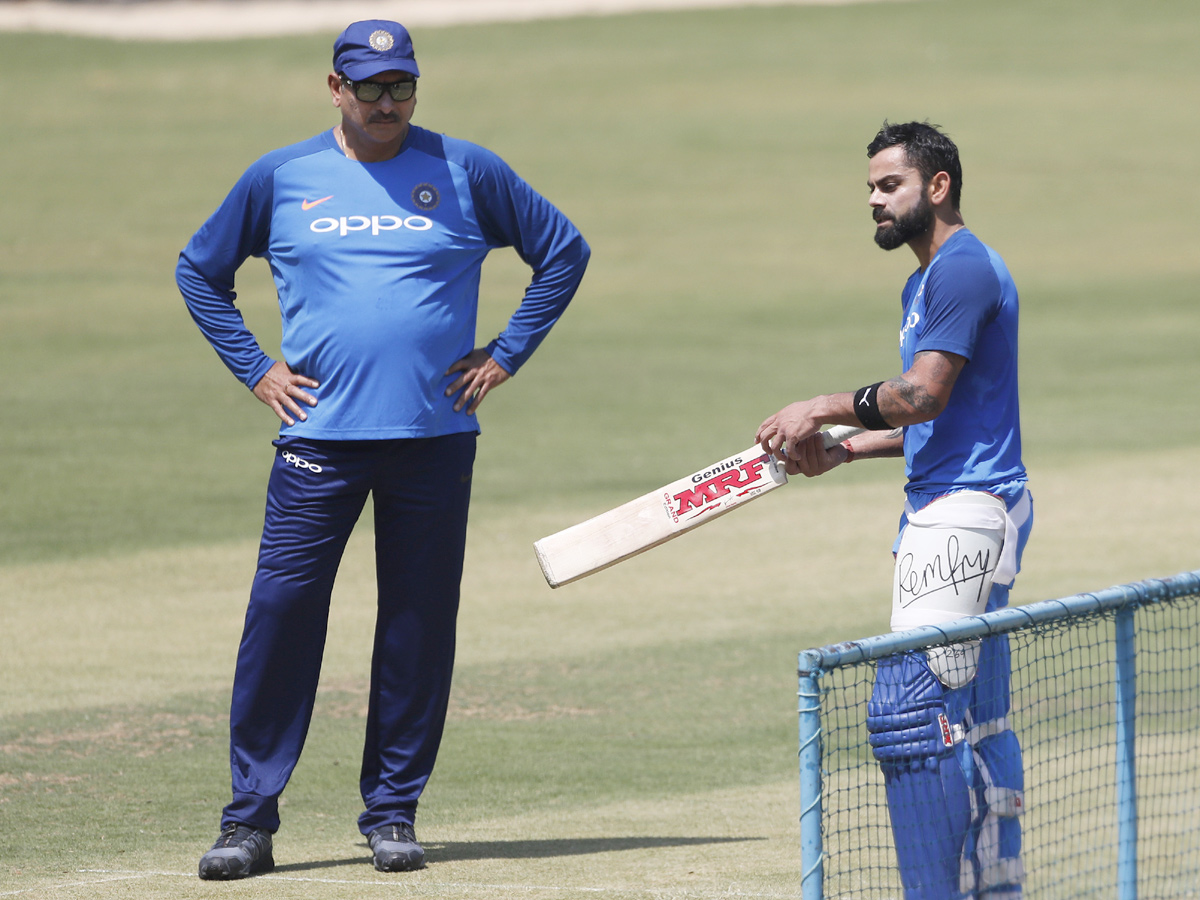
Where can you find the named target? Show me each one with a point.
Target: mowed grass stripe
(634, 732)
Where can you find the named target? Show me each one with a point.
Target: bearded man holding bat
(938, 720)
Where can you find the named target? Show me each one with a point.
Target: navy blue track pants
(317, 490)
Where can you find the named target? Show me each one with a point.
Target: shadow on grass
(455, 851)
(324, 864)
(459, 851)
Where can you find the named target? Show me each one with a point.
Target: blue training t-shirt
(965, 302)
(377, 269)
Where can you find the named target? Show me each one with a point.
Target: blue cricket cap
(376, 45)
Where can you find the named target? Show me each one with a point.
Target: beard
(912, 224)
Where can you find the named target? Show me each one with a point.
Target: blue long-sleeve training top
(377, 268)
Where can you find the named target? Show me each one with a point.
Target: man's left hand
(480, 373)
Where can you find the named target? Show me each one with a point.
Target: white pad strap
(1002, 872)
(988, 729)
(1007, 803)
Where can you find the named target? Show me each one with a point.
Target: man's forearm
(877, 444)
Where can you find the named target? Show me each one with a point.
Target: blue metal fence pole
(812, 851)
(1127, 817)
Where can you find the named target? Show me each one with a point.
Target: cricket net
(1106, 705)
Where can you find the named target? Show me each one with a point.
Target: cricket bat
(661, 515)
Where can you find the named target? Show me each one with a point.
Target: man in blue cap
(375, 232)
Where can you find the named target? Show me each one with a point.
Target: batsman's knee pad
(907, 716)
(918, 739)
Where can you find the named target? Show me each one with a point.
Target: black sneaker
(396, 848)
(238, 852)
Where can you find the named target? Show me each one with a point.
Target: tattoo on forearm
(914, 396)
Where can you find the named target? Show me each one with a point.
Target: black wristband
(866, 407)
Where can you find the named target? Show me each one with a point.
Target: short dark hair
(927, 150)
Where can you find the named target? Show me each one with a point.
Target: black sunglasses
(370, 91)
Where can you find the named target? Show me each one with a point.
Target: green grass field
(632, 735)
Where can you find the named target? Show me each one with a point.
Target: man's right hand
(811, 458)
(280, 388)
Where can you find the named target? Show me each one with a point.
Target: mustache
(383, 118)
(880, 216)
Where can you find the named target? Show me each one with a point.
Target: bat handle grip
(839, 433)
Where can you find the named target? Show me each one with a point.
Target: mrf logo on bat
(714, 488)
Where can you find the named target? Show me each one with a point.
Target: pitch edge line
(117, 877)
(412, 888)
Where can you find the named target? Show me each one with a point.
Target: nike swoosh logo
(309, 204)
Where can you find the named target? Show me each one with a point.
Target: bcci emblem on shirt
(425, 197)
